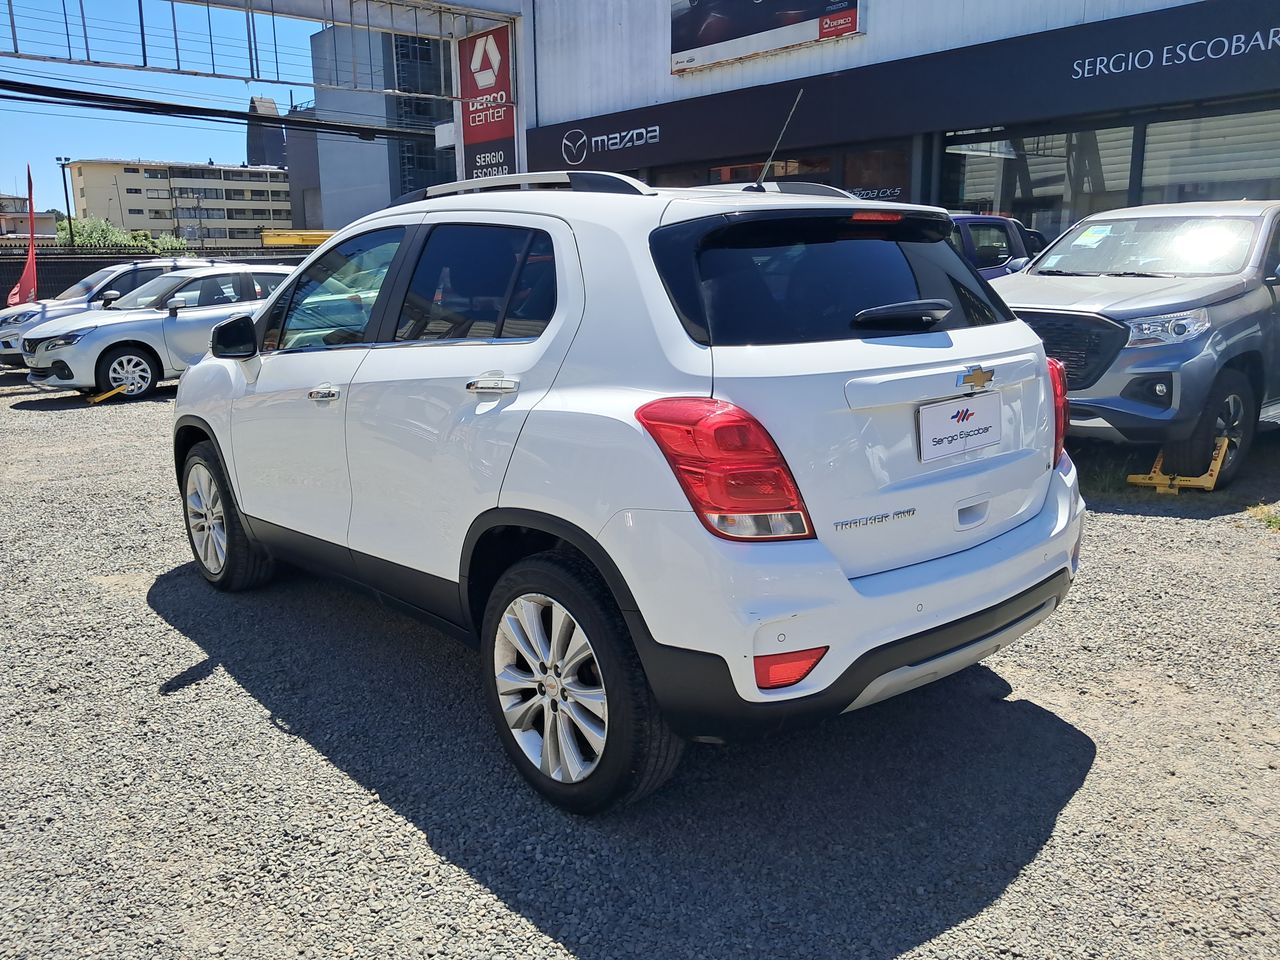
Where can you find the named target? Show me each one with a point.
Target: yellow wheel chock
(1172, 483)
(110, 393)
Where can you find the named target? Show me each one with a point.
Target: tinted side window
(210, 291)
(472, 281)
(264, 284)
(130, 281)
(991, 244)
(333, 299)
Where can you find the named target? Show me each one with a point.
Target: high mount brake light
(729, 467)
(876, 216)
(786, 669)
(1061, 406)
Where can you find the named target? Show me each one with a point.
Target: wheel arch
(142, 345)
(189, 430)
(501, 536)
(1249, 362)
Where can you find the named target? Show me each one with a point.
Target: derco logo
(485, 62)
(575, 145)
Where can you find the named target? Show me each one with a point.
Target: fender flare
(191, 420)
(573, 535)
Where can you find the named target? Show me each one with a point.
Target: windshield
(153, 293)
(1153, 246)
(809, 280)
(83, 288)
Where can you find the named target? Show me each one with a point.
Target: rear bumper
(699, 701)
(707, 607)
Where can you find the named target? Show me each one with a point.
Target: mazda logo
(573, 147)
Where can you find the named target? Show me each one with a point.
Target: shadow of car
(866, 837)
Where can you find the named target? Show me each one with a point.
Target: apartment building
(210, 204)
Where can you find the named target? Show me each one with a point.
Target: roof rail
(784, 186)
(586, 181)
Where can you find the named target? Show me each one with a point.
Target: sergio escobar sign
(488, 115)
(1177, 54)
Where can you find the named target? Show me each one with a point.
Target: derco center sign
(576, 144)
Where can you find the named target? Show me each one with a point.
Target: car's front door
(287, 429)
(435, 410)
(207, 301)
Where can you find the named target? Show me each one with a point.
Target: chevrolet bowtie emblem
(976, 378)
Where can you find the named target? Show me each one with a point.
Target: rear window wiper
(1136, 273)
(924, 312)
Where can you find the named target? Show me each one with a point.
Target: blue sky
(36, 134)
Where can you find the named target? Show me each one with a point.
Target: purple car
(996, 246)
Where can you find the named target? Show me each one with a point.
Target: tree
(95, 232)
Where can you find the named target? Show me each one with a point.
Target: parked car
(684, 463)
(146, 336)
(99, 289)
(996, 246)
(1166, 318)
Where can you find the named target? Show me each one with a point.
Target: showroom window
(1213, 158)
(1048, 180)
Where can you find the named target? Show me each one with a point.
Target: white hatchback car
(146, 336)
(99, 289)
(686, 464)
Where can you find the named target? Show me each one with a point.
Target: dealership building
(1046, 111)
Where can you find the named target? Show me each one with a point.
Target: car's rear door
(488, 314)
(209, 300)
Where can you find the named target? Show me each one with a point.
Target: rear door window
(992, 244)
(480, 282)
(804, 280)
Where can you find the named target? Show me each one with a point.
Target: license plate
(960, 425)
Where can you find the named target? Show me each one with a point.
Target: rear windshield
(805, 280)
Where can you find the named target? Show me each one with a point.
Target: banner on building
(488, 115)
(704, 32)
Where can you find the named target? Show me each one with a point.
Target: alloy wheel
(550, 688)
(1230, 424)
(206, 518)
(130, 371)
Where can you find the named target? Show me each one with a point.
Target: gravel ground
(297, 772)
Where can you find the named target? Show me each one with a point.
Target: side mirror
(235, 339)
(1017, 264)
(175, 304)
(110, 297)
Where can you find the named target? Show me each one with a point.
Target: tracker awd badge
(976, 378)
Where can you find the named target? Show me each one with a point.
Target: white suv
(686, 464)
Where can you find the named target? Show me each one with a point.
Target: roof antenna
(777, 143)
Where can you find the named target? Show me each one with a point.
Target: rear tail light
(876, 216)
(729, 467)
(786, 669)
(1061, 414)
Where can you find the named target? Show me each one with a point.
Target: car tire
(222, 550)
(1230, 409)
(132, 365)
(587, 695)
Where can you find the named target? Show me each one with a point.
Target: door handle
(324, 392)
(492, 385)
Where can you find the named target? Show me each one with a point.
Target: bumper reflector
(784, 669)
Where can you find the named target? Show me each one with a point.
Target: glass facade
(1213, 158)
(1049, 180)
(876, 171)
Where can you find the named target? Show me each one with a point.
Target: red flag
(24, 291)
